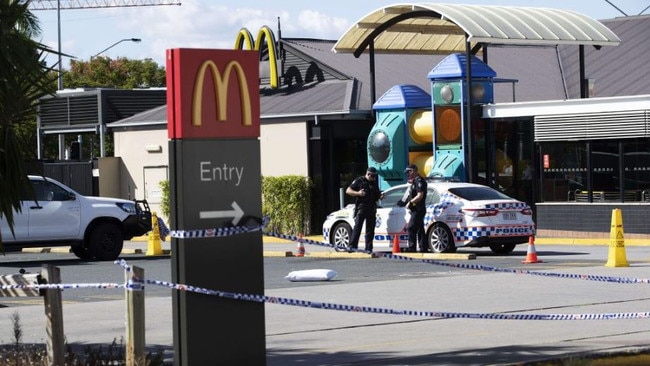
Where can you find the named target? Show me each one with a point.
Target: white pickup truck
(94, 227)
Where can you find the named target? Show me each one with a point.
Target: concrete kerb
(588, 241)
(47, 250)
(359, 255)
(328, 252)
(538, 240)
(67, 249)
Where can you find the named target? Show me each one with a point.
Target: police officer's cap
(412, 167)
(372, 171)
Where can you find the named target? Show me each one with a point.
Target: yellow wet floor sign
(153, 243)
(616, 256)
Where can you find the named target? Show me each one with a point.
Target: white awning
(442, 28)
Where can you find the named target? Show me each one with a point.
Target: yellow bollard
(616, 257)
(153, 244)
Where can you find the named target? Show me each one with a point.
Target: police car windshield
(478, 193)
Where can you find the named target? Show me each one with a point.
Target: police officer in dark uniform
(416, 202)
(366, 191)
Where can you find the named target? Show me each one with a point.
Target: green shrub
(286, 201)
(165, 205)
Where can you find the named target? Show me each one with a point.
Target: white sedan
(458, 215)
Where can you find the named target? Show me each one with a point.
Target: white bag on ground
(311, 275)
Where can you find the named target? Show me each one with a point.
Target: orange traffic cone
(300, 247)
(531, 255)
(396, 243)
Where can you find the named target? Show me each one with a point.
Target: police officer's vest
(372, 192)
(422, 183)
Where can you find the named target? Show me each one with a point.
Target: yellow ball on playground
(423, 160)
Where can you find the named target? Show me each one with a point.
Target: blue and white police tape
(134, 283)
(242, 229)
(211, 233)
(62, 286)
(478, 267)
(343, 307)
(332, 306)
(216, 232)
(377, 310)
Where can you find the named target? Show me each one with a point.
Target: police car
(457, 215)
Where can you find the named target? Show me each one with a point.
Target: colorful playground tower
(430, 131)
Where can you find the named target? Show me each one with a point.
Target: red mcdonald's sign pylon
(531, 255)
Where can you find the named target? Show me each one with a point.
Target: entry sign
(213, 110)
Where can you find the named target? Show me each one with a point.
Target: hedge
(286, 201)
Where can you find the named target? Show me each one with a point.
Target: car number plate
(510, 216)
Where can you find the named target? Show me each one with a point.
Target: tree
(123, 73)
(24, 79)
(102, 72)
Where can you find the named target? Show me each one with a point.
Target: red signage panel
(212, 93)
(547, 161)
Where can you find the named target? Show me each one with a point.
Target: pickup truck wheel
(106, 242)
(81, 251)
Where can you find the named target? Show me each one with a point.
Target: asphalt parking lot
(475, 312)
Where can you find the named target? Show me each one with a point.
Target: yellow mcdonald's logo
(220, 83)
(265, 33)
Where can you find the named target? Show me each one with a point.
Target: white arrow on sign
(236, 213)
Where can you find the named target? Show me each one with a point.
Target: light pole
(58, 24)
(101, 125)
(136, 40)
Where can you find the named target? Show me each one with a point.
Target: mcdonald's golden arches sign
(212, 93)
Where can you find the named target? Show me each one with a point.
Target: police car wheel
(341, 237)
(502, 248)
(440, 239)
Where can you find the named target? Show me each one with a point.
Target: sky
(215, 23)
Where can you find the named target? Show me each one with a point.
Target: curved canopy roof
(441, 28)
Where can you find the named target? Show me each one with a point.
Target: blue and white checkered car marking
(342, 214)
(326, 234)
(471, 233)
(465, 233)
(435, 211)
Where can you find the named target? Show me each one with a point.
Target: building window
(636, 172)
(619, 171)
(564, 170)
